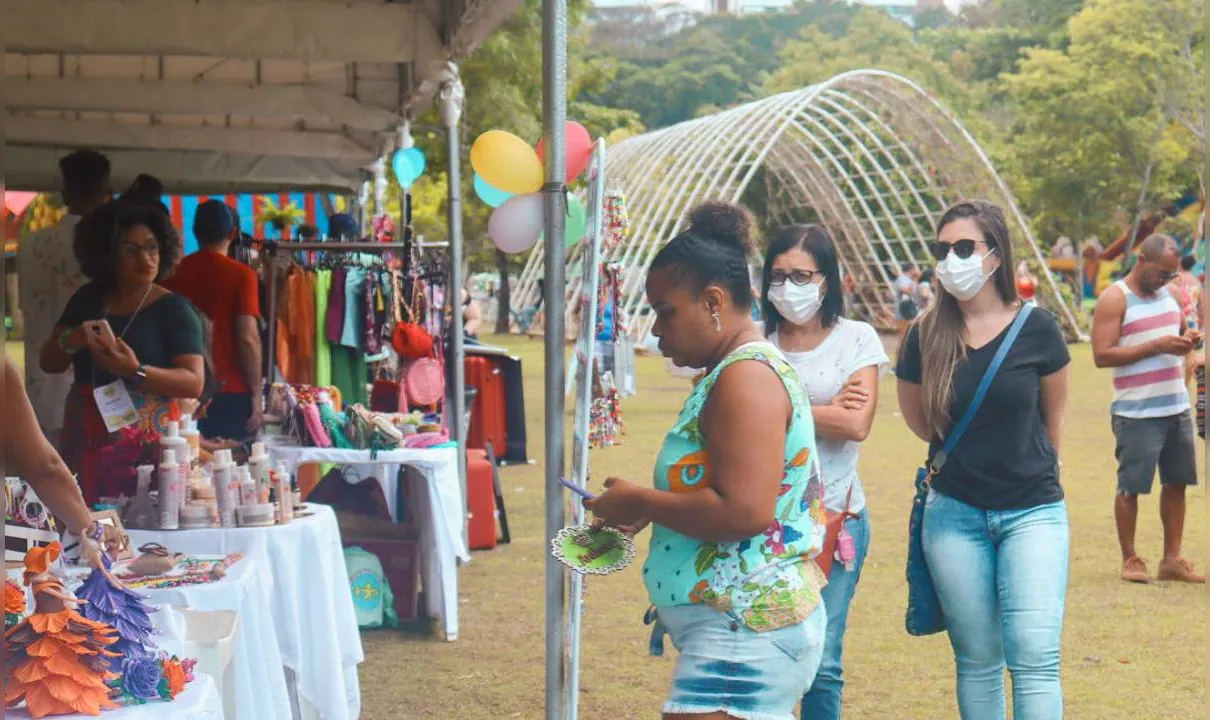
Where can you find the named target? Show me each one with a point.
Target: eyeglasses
(798, 277)
(962, 248)
(151, 250)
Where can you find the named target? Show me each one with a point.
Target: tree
(1095, 126)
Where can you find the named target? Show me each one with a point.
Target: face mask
(796, 303)
(962, 278)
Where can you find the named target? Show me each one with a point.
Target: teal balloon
(404, 171)
(419, 162)
(491, 196)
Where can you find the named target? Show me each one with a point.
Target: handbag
(425, 381)
(410, 340)
(925, 615)
(835, 523)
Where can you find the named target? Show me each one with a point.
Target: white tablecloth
(198, 701)
(260, 680)
(312, 608)
(440, 512)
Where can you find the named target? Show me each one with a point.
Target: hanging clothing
(323, 357)
(353, 329)
(336, 306)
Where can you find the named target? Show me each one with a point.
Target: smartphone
(576, 489)
(100, 331)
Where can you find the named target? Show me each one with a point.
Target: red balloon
(579, 148)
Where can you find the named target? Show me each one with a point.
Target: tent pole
(554, 118)
(451, 112)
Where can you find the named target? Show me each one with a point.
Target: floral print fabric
(769, 581)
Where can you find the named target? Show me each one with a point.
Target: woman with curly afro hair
(123, 329)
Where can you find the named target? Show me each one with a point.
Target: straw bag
(425, 379)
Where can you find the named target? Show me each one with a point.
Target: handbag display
(425, 379)
(409, 338)
(924, 615)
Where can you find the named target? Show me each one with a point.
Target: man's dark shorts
(1143, 444)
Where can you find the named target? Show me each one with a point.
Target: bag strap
(956, 434)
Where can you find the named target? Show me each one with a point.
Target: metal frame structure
(869, 154)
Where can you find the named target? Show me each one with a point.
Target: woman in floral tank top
(736, 512)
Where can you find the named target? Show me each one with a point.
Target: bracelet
(63, 342)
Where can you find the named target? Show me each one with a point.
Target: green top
(768, 581)
(160, 331)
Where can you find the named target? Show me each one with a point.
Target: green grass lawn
(1130, 652)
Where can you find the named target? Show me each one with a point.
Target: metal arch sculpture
(869, 154)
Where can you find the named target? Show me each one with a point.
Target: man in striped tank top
(1138, 330)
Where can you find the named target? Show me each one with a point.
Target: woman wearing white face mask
(994, 531)
(837, 361)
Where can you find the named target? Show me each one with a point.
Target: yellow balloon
(506, 162)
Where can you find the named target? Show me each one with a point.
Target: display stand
(586, 365)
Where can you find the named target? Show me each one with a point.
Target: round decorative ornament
(592, 551)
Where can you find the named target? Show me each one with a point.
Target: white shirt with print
(851, 346)
(49, 275)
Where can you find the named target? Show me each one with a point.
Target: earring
(718, 321)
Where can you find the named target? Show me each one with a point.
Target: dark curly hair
(714, 251)
(98, 239)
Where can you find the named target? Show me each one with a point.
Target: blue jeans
(822, 702)
(1001, 577)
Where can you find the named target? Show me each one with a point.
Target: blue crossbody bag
(924, 615)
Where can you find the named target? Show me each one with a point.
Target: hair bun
(724, 222)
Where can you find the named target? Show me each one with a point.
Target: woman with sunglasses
(123, 334)
(995, 531)
(837, 360)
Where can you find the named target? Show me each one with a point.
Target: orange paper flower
(14, 599)
(175, 675)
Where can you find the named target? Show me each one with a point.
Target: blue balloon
(488, 194)
(419, 162)
(405, 173)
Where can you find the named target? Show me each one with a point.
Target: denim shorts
(722, 665)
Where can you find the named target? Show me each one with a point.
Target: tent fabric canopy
(869, 154)
(216, 96)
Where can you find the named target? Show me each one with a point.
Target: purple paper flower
(141, 677)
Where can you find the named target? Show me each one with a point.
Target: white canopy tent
(217, 96)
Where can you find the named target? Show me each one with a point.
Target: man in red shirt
(226, 291)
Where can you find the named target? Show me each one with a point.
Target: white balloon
(516, 225)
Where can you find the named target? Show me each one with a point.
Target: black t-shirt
(1005, 460)
(160, 331)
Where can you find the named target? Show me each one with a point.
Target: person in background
(837, 362)
(29, 456)
(1138, 330)
(472, 319)
(995, 529)
(906, 307)
(225, 290)
(736, 512)
(123, 331)
(924, 291)
(1189, 293)
(50, 275)
(1027, 284)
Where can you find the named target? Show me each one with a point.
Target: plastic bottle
(142, 512)
(169, 491)
(224, 482)
(258, 465)
(247, 487)
(285, 499)
(192, 436)
(172, 440)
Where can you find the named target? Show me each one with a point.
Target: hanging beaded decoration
(617, 220)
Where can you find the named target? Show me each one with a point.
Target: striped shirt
(1154, 386)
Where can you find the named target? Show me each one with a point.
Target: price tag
(117, 409)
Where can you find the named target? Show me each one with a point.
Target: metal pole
(451, 111)
(554, 112)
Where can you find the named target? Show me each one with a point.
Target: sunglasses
(798, 277)
(963, 249)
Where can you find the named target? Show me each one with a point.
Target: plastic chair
(210, 638)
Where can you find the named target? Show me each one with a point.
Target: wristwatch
(140, 375)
